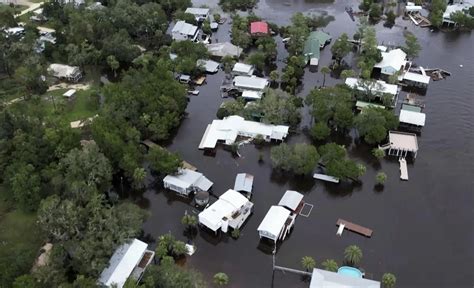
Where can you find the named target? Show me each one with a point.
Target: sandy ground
(79, 86)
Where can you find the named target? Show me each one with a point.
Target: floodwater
(423, 228)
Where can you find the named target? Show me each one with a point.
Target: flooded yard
(423, 228)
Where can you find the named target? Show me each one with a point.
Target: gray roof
(209, 65)
(323, 278)
(243, 182)
(224, 49)
(184, 28)
(197, 11)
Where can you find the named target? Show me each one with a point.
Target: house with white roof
(323, 278)
(412, 120)
(280, 219)
(200, 14)
(224, 49)
(129, 260)
(457, 6)
(250, 83)
(231, 210)
(242, 69)
(187, 181)
(377, 88)
(227, 130)
(184, 31)
(416, 79)
(65, 72)
(277, 224)
(392, 62)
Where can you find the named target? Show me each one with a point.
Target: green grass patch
(20, 241)
(85, 104)
(10, 89)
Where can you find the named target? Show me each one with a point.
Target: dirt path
(80, 86)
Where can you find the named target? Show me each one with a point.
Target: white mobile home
(129, 260)
(230, 210)
(187, 181)
(392, 62)
(200, 14)
(276, 224)
(227, 130)
(224, 49)
(250, 83)
(412, 119)
(184, 31)
(241, 69)
(65, 72)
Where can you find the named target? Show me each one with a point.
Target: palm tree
(346, 74)
(189, 221)
(308, 263)
(179, 248)
(380, 178)
(353, 254)
(274, 76)
(330, 265)
(325, 70)
(389, 280)
(221, 279)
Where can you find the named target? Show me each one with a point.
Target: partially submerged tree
(353, 254)
(299, 158)
(308, 263)
(380, 178)
(412, 47)
(373, 124)
(334, 157)
(330, 265)
(341, 48)
(389, 280)
(221, 279)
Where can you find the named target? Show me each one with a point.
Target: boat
(193, 92)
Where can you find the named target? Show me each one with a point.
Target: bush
(221, 279)
(390, 21)
(375, 11)
(378, 153)
(235, 233)
(217, 17)
(380, 178)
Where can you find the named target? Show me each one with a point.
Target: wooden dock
(355, 228)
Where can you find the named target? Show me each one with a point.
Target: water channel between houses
(423, 228)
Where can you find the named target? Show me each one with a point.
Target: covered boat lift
(187, 181)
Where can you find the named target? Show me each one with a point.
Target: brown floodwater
(423, 228)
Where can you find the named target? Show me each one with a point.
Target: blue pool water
(350, 271)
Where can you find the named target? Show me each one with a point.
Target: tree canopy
(373, 124)
(299, 158)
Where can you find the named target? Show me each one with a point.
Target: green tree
(373, 124)
(221, 279)
(25, 281)
(257, 59)
(25, 184)
(390, 20)
(274, 76)
(380, 178)
(389, 280)
(375, 11)
(308, 263)
(170, 275)
(320, 131)
(113, 64)
(206, 27)
(279, 108)
(189, 220)
(178, 248)
(325, 70)
(217, 17)
(378, 153)
(347, 73)
(353, 254)
(437, 9)
(412, 47)
(299, 158)
(163, 161)
(330, 265)
(334, 157)
(341, 48)
(138, 178)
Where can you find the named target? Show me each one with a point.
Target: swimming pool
(350, 271)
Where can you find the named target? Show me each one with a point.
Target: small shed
(276, 224)
(292, 200)
(243, 183)
(259, 28)
(187, 181)
(184, 78)
(69, 94)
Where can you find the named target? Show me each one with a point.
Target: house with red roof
(259, 28)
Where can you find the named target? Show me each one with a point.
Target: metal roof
(291, 200)
(224, 49)
(323, 278)
(243, 182)
(259, 27)
(184, 28)
(274, 221)
(122, 263)
(412, 117)
(415, 77)
(209, 65)
(243, 68)
(377, 86)
(395, 59)
(252, 82)
(186, 178)
(197, 11)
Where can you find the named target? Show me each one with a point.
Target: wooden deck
(355, 228)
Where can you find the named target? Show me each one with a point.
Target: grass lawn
(10, 89)
(84, 105)
(20, 241)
